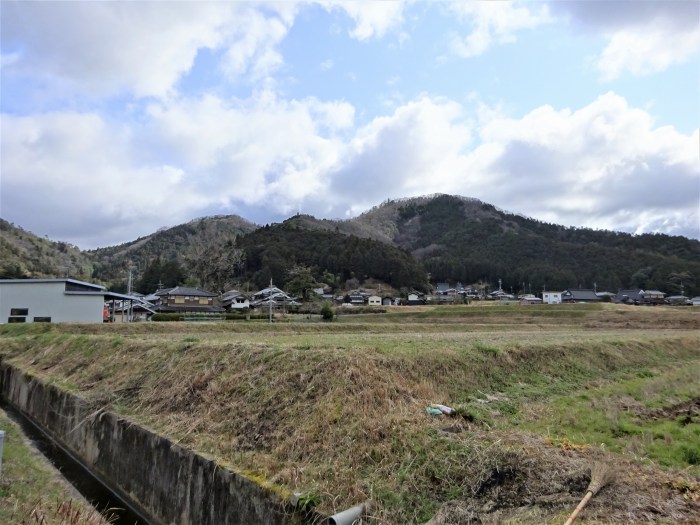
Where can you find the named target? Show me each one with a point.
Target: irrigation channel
(93, 489)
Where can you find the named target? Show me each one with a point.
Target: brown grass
(59, 513)
(338, 409)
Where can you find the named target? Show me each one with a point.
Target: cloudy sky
(119, 118)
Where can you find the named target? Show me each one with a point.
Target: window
(17, 319)
(19, 311)
(42, 319)
(203, 300)
(179, 300)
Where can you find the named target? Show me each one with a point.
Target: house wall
(551, 297)
(48, 299)
(179, 300)
(375, 300)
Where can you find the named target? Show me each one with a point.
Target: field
(337, 410)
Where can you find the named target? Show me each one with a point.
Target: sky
(121, 118)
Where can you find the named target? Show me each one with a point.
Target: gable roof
(630, 295)
(182, 290)
(231, 294)
(80, 284)
(580, 294)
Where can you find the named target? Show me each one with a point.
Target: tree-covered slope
(467, 240)
(452, 238)
(25, 255)
(272, 251)
(112, 264)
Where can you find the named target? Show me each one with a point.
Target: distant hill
(437, 237)
(25, 255)
(333, 257)
(462, 239)
(168, 244)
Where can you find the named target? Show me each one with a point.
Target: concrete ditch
(164, 482)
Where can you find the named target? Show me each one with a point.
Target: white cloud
(372, 19)
(71, 175)
(260, 151)
(251, 40)
(494, 22)
(416, 150)
(106, 46)
(604, 165)
(327, 64)
(79, 177)
(7, 59)
(642, 37)
(141, 48)
(646, 50)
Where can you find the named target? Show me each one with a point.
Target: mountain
(112, 264)
(452, 238)
(23, 255)
(462, 239)
(333, 256)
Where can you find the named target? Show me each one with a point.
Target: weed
(690, 454)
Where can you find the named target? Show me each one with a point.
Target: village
(70, 300)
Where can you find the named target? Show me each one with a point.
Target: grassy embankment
(338, 409)
(31, 490)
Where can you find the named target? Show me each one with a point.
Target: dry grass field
(338, 410)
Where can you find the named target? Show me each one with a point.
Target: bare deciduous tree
(213, 257)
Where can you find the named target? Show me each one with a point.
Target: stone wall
(165, 482)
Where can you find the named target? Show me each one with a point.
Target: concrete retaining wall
(167, 483)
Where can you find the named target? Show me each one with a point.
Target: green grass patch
(652, 415)
(29, 484)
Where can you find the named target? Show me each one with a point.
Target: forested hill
(403, 243)
(23, 254)
(167, 244)
(279, 251)
(464, 239)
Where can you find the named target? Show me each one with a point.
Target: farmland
(337, 410)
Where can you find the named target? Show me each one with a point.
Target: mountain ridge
(454, 238)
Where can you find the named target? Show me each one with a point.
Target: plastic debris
(448, 411)
(433, 411)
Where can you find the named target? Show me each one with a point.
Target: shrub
(327, 312)
(166, 317)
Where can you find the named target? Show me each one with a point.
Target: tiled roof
(181, 290)
(580, 294)
(188, 309)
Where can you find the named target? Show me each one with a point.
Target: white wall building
(551, 297)
(374, 300)
(51, 301)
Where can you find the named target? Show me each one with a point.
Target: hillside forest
(404, 244)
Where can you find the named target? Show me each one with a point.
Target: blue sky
(119, 118)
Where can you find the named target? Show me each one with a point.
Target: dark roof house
(234, 300)
(639, 296)
(579, 295)
(182, 299)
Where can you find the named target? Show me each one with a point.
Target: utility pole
(130, 315)
(269, 300)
